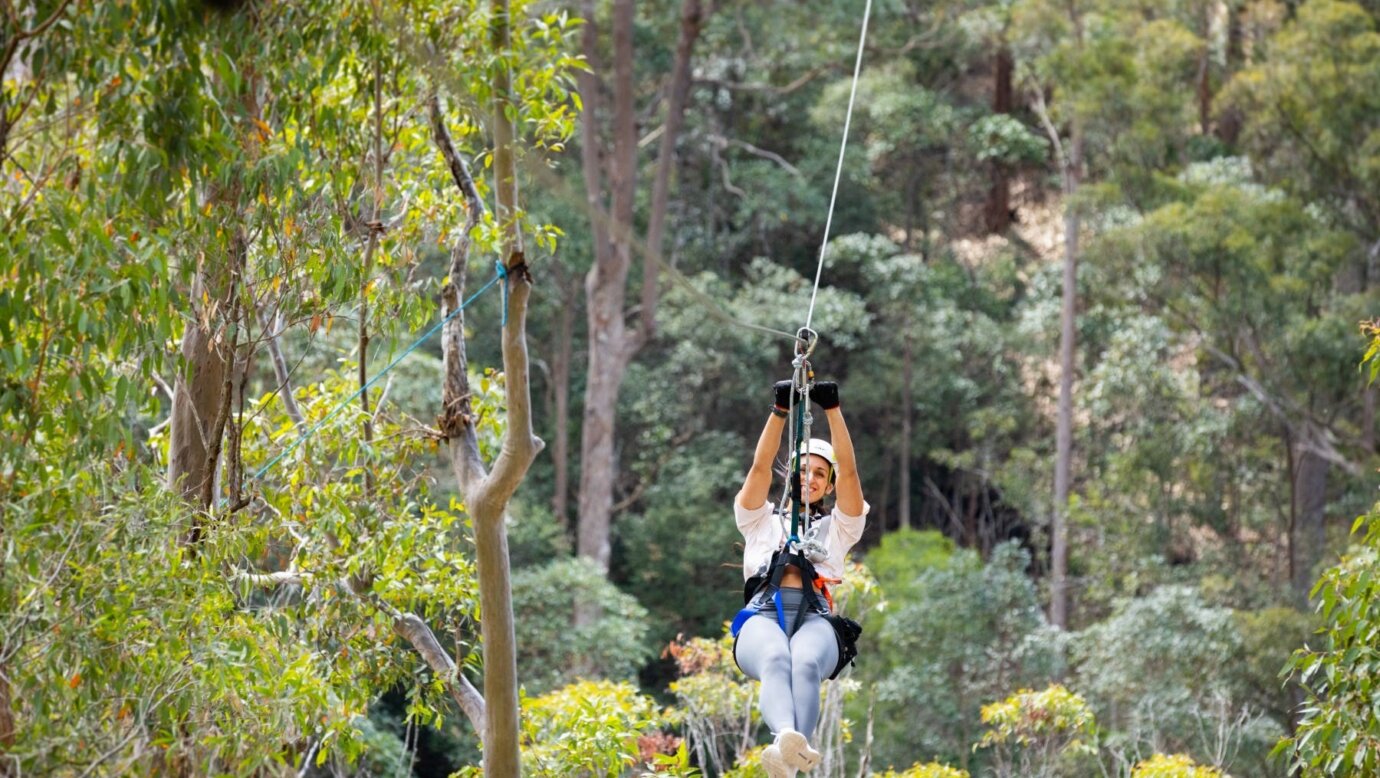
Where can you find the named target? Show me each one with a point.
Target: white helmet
(821, 447)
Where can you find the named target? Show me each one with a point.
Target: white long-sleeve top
(764, 533)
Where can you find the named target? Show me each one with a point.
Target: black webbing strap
(810, 600)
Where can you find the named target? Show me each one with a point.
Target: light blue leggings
(790, 669)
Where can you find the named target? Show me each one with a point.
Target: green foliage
(1311, 117)
(717, 705)
(1030, 731)
(590, 728)
(1000, 138)
(551, 647)
(1028, 718)
(683, 540)
(1371, 329)
(902, 555)
(971, 632)
(1142, 669)
(1339, 725)
(150, 151)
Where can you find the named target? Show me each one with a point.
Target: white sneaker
(795, 749)
(775, 763)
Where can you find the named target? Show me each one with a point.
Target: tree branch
(459, 171)
(280, 367)
(770, 156)
(416, 632)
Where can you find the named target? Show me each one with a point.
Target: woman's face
(816, 477)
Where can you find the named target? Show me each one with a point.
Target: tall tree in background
(1312, 124)
(610, 165)
(1068, 22)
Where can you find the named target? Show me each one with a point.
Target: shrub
(552, 649)
(1030, 730)
(930, 770)
(1176, 766)
(590, 728)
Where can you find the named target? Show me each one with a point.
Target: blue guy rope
(502, 273)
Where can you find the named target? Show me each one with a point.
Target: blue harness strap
(741, 619)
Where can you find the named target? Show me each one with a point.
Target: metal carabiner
(805, 340)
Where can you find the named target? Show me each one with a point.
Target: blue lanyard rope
(499, 275)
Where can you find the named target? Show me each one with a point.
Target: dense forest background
(1099, 290)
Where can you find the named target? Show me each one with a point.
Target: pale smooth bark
(486, 492)
(1070, 166)
(271, 326)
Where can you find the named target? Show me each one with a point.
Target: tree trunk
(1309, 501)
(271, 325)
(611, 344)
(7, 730)
(1058, 606)
(199, 391)
(1229, 123)
(561, 359)
(907, 413)
(486, 493)
(997, 210)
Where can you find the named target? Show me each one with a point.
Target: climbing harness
(765, 585)
(763, 591)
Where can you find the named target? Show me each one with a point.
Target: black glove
(826, 393)
(782, 391)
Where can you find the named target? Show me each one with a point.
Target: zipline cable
(501, 274)
(838, 171)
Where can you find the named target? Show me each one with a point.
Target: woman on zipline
(783, 636)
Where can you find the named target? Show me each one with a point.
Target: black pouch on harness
(846, 631)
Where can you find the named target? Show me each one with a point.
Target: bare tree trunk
(561, 361)
(907, 413)
(997, 210)
(1063, 458)
(375, 230)
(1071, 165)
(1204, 91)
(486, 493)
(271, 326)
(1310, 504)
(604, 379)
(199, 388)
(1229, 123)
(611, 344)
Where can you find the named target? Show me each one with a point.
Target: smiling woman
(786, 636)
